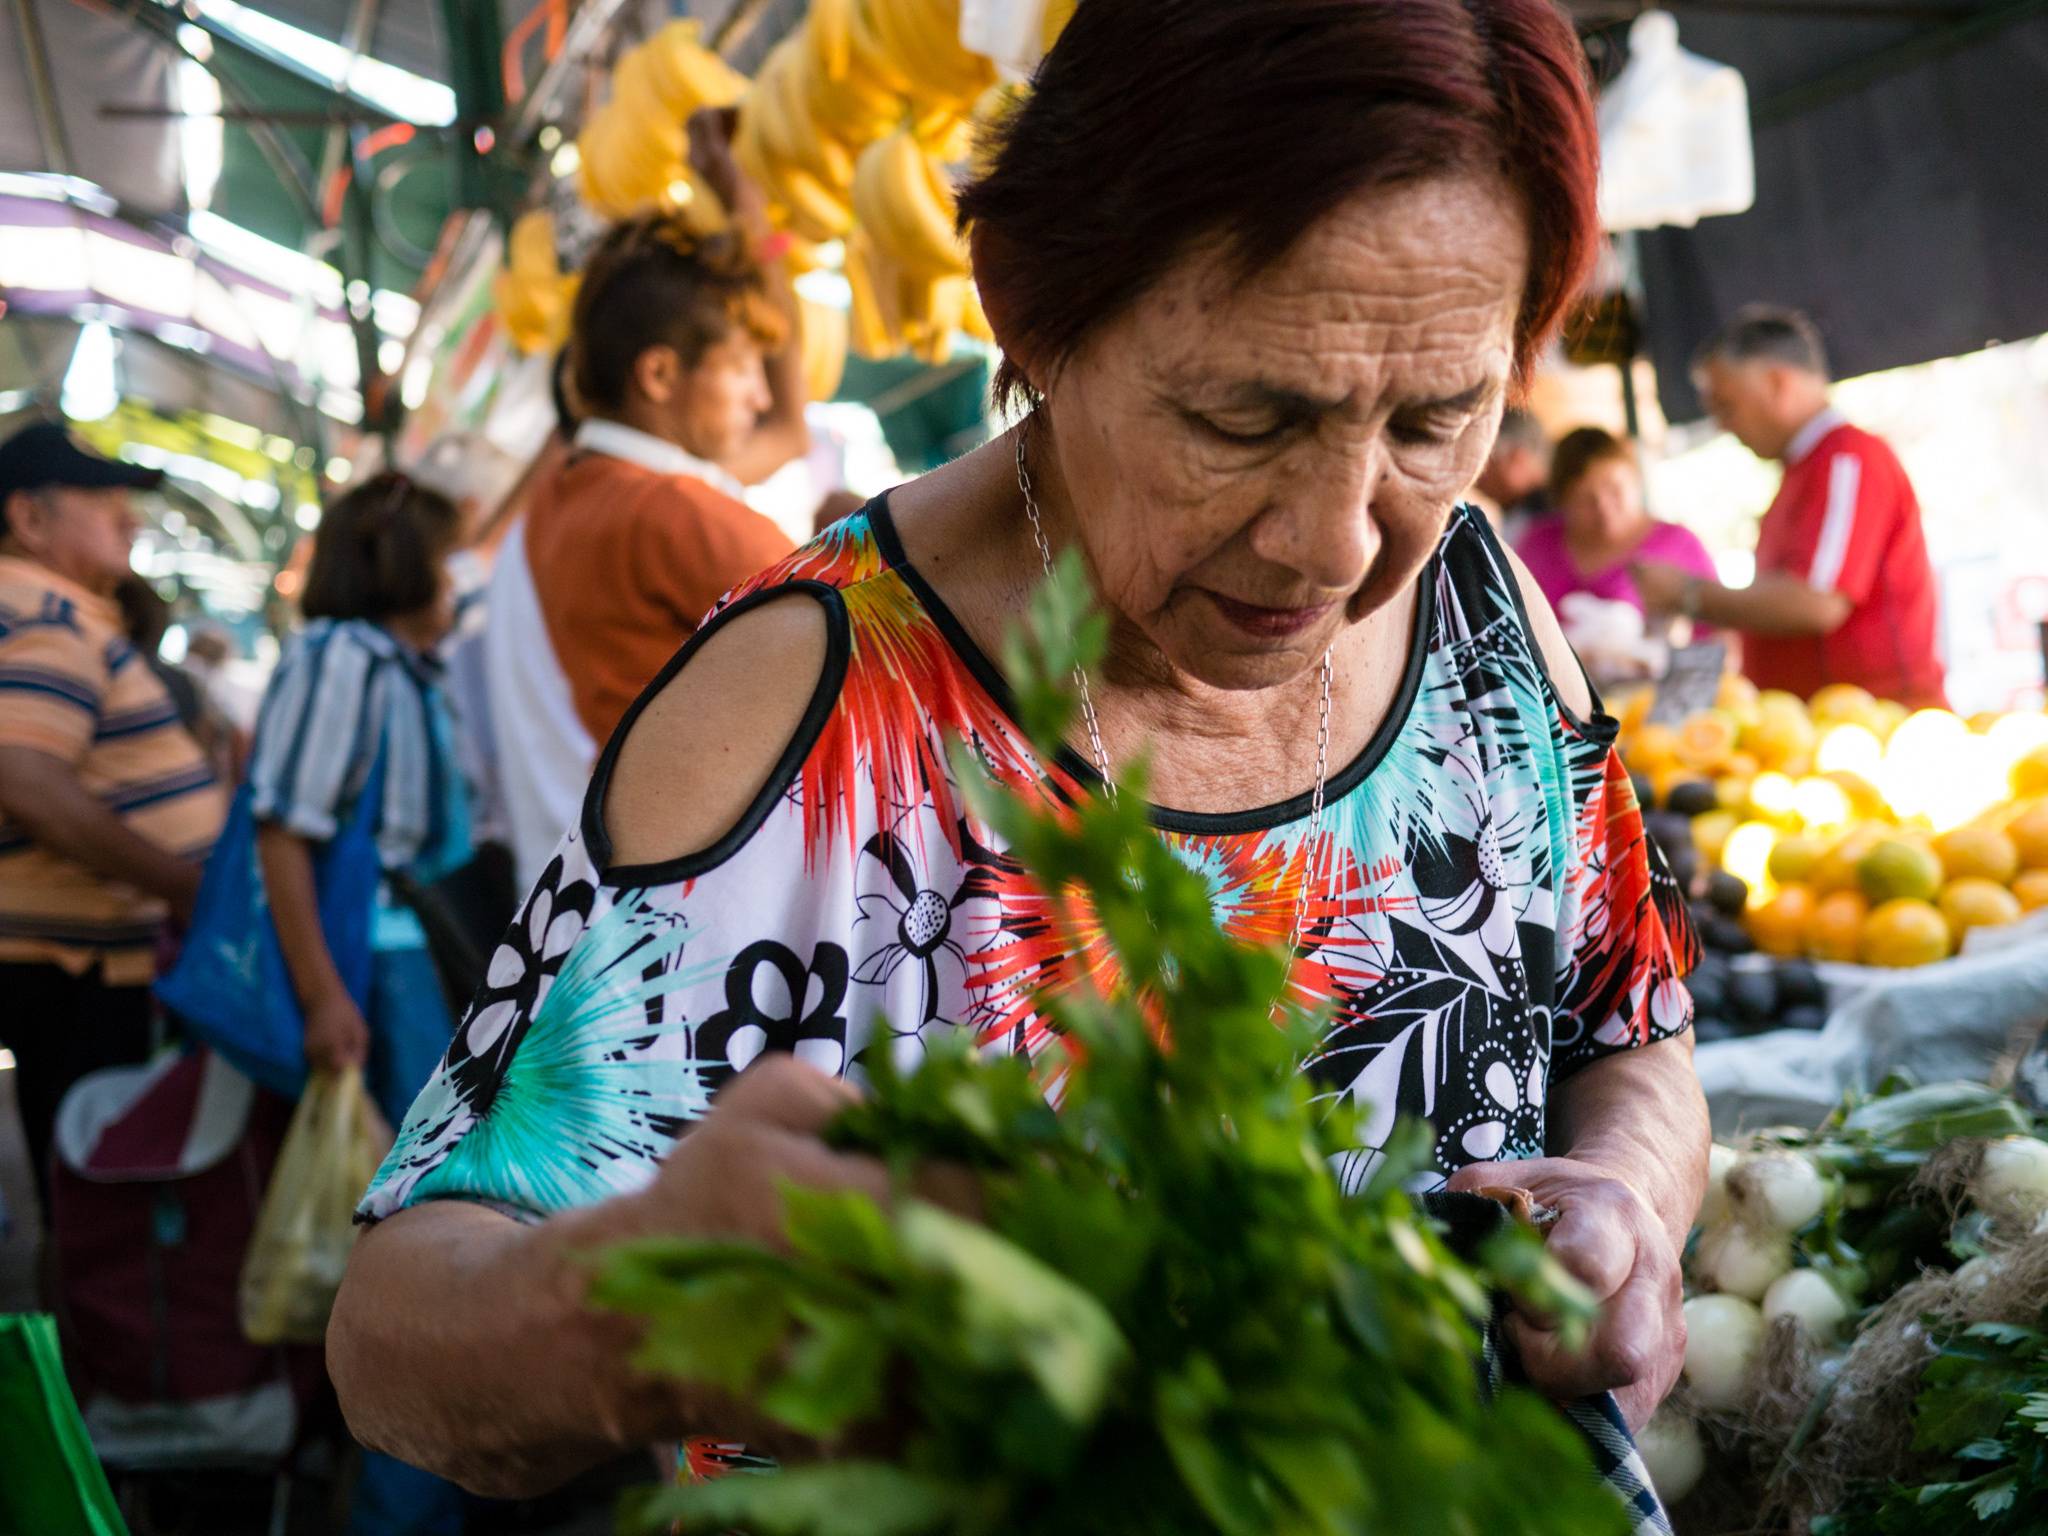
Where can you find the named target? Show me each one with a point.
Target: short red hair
(1153, 126)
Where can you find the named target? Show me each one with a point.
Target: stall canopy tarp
(1900, 198)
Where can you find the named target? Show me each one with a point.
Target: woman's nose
(1318, 520)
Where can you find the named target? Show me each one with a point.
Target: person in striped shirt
(107, 804)
(1844, 592)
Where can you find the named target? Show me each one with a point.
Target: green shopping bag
(50, 1480)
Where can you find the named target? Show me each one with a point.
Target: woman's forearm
(1640, 1116)
(461, 1343)
(287, 864)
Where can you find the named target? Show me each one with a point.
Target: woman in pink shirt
(1601, 526)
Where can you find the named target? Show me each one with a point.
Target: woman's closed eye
(1244, 432)
(1429, 428)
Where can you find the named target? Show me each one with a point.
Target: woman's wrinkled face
(1605, 504)
(1256, 463)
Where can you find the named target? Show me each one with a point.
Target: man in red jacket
(1843, 590)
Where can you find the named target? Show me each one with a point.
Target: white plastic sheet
(1955, 1020)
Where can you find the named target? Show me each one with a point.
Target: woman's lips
(1268, 623)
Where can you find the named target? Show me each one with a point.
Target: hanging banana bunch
(823, 344)
(635, 148)
(533, 296)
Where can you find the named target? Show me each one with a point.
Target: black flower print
(916, 923)
(521, 970)
(774, 1002)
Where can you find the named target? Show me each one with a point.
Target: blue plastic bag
(230, 987)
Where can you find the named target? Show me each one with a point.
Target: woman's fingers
(1593, 1239)
(1627, 1346)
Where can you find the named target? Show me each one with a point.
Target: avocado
(1753, 997)
(1728, 936)
(1691, 797)
(1800, 986)
(1729, 893)
(1804, 1016)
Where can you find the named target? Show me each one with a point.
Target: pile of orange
(1848, 876)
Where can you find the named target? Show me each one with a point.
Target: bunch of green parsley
(1172, 1319)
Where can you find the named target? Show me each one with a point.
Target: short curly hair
(653, 282)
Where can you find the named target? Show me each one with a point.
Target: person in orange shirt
(684, 366)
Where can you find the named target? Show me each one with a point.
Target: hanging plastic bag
(307, 1222)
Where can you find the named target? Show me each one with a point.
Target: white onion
(1974, 1274)
(1722, 1337)
(1776, 1191)
(1714, 1204)
(1672, 1453)
(1805, 1296)
(1739, 1261)
(2012, 1181)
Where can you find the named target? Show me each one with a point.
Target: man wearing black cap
(107, 804)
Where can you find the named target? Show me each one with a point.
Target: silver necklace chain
(1093, 724)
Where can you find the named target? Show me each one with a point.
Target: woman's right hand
(725, 1177)
(337, 1038)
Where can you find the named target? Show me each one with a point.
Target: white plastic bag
(1674, 134)
(306, 1225)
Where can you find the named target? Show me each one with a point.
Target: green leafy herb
(1173, 1319)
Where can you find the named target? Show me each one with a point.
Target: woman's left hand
(1609, 1237)
(1660, 586)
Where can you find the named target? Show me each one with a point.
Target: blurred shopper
(356, 707)
(1602, 526)
(1843, 592)
(1511, 490)
(107, 804)
(357, 697)
(684, 366)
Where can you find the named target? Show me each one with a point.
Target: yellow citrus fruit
(1706, 740)
(1983, 720)
(1886, 716)
(1899, 868)
(2031, 889)
(1836, 869)
(2029, 834)
(1731, 791)
(1974, 851)
(1736, 693)
(1902, 933)
(1779, 738)
(1632, 708)
(1742, 765)
(1793, 858)
(1836, 929)
(1710, 833)
(1865, 799)
(1779, 925)
(1841, 704)
(1655, 746)
(1974, 903)
(2030, 774)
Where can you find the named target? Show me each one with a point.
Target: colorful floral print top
(1485, 913)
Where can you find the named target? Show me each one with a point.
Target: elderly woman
(1266, 276)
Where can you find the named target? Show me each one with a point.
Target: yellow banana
(827, 157)
(924, 205)
(634, 93)
(870, 56)
(829, 32)
(874, 206)
(929, 33)
(823, 343)
(868, 334)
(815, 211)
(688, 75)
(531, 247)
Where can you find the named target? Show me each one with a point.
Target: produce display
(1859, 833)
(1171, 1318)
(1835, 1277)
